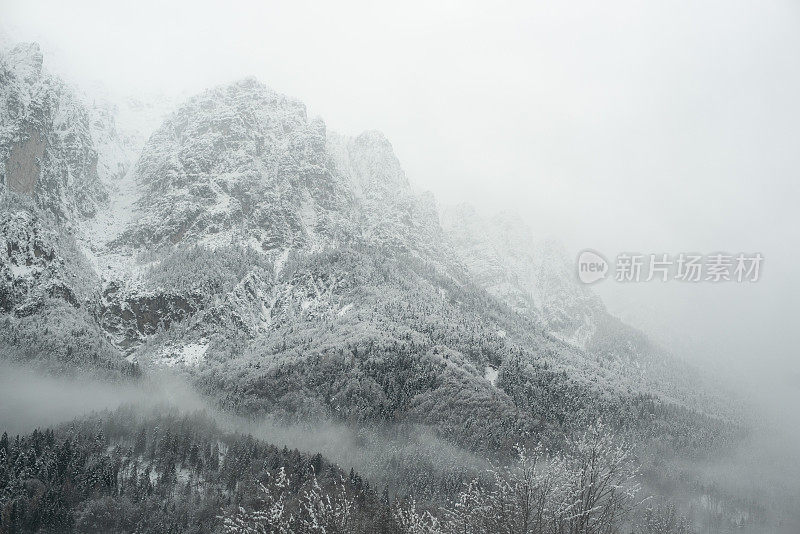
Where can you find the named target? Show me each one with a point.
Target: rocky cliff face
(243, 166)
(240, 162)
(31, 268)
(391, 215)
(54, 172)
(46, 148)
(50, 185)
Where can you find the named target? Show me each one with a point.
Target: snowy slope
(531, 275)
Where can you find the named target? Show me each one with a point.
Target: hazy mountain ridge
(535, 278)
(531, 275)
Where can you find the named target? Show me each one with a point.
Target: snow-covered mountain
(289, 269)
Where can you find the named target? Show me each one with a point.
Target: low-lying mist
(30, 400)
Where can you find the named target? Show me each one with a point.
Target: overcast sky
(619, 126)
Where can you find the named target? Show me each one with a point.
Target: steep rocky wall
(23, 166)
(47, 150)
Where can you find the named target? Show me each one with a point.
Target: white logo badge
(591, 267)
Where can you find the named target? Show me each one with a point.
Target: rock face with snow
(49, 185)
(392, 216)
(46, 148)
(240, 163)
(243, 164)
(52, 183)
(32, 268)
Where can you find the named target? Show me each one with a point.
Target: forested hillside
(161, 471)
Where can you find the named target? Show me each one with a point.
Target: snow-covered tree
(412, 521)
(270, 517)
(324, 512)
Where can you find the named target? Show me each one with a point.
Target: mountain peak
(46, 148)
(372, 165)
(374, 138)
(27, 60)
(239, 158)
